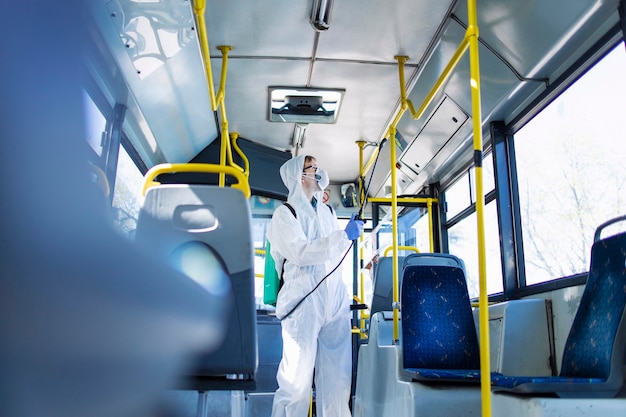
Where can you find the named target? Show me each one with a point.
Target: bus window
(95, 124)
(489, 181)
(463, 243)
(458, 197)
(571, 172)
(412, 230)
(128, 181)
(462, 236)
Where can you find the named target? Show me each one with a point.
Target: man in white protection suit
(307, 245)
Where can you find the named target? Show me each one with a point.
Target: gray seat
(382, 294)
(204, 231)
(270, 352)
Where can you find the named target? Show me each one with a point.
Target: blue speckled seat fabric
(593, 356)
(439, 339)
(440, 344)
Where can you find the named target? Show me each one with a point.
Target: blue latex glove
(354, 228)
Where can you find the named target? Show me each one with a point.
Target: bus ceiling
(159, 74)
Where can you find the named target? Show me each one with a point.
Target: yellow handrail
(429, 204)
(431, 232)
(242, 181)
(403, 200)
(406, 104)
(394, 234)
(217, 99)
(470, 40)
(413, 248)
(225, 146)
(485, 362)
(363, 316)
(233, 138)
(199, 6)
(394, 247)
(371, 161)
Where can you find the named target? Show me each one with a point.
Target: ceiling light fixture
(304, 105)
(320, 14)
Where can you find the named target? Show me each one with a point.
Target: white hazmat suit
(317, 333)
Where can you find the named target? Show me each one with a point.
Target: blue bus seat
(593, 356)
(205, 231)
(439, 341)
(382, 293)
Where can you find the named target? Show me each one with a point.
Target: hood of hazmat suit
(310, 245)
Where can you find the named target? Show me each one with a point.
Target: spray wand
(359, 216)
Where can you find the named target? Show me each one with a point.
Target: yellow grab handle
(389, 248)
(242, 182)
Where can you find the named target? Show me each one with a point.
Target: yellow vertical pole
(362, 315)
(394, 198)
(225, 142)
(431, 237)
(199, 7)
(394, 234)
(224, 49)
(485, 371)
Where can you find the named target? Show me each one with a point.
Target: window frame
(506, 193)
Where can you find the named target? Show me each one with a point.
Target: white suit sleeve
(287, 238)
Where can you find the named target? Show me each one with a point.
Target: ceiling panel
(261, 27)
(350, 55)
(247, 96)
(275, 45)
(373, 30)
(548, 29)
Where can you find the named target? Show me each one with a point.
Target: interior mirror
(348, 195)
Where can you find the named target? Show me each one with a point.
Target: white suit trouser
(310, 341)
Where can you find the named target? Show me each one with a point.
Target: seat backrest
(438, 329)
(382, 294)
(593, 356)
(205, 231)
(596, 342)
(270, 352)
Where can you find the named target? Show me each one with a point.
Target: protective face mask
(323, 179)
(321, 176)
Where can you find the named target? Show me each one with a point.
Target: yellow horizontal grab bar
(403, 200)
(476, 304)
(242, 182)
(389, 248)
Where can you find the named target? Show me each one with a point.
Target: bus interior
(481, 141)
